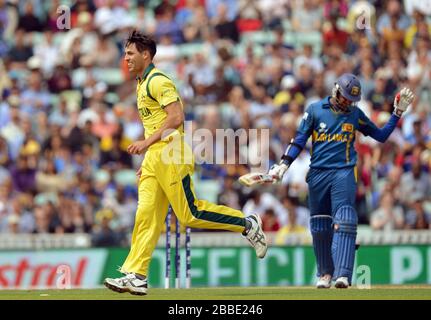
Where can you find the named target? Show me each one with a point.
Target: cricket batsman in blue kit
(332, 123)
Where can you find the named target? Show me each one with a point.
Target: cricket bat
(256, 178)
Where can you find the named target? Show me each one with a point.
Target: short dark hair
(142, 42)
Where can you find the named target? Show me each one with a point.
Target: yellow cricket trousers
(166, 178)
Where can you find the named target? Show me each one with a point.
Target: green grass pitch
(422, 292)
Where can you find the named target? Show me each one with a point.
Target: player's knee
(346, 220)
(321, 226)
(144, 210)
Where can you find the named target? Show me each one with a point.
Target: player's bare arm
(174, 119)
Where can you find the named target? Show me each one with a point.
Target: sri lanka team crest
(347, 127)
(355, 91)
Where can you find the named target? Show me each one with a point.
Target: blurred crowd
(68, 104)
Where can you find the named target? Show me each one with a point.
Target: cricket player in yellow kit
(165, 174)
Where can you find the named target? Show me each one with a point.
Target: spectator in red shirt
(334, 34)
(270, 221)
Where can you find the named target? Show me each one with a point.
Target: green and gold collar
(146, 72)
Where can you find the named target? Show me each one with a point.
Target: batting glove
(402, 100)
(278, 170)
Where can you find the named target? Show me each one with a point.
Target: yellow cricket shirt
(154, 92)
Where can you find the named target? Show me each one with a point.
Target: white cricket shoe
(342, 283)
(256, 237)
(324, 282)
(129, 283)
